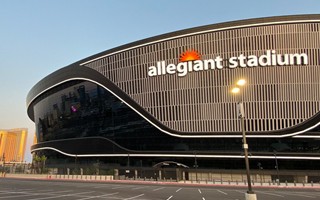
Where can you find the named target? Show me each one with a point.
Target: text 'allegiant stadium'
(268, 59)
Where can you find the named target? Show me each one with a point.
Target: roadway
(28, 189)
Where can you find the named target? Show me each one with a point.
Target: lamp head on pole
(235, 90)
(241, 82)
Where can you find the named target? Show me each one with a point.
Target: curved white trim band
(175, 155)
(201, 32)
(173, 134)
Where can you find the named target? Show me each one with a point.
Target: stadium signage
(190, 61)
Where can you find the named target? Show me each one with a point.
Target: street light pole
(245, 146)
(250, 195)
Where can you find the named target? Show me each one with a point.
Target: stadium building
(167, 98)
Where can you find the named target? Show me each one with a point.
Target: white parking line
(137, 188)
(178, 189)
(199, 191)
(21, 195)
(312, 193)
(66, 195)
(114, 188)
(277, 195)
(101, 186)
(134, 197)
(222, 192)
(106, 185)
(169, 197)
(295, 194)
(158, 189)
(22, 189)
(27, 193)
(105, 195)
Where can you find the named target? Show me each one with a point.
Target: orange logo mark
(189, 56)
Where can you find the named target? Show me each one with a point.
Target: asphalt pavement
(33, 189)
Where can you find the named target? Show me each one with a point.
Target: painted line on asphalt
(203, 198)
(23, 194)
(199, 191)
(272, 194)
(101, 186)
(158, 189)
(134, 197)
(222, 192)
(295, 194)
(114, 188)
(99, 196)
(169, 197)
(23, 189)
(312, 193)
(108, 185)
(12, 192)
(178, 189)
(66, 195)
(137, 188)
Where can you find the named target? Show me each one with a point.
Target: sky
(38, 37)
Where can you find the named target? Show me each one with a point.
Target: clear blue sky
(38, 37)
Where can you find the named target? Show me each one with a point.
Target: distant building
(13, 144)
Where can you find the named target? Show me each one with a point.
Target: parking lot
(68, 190)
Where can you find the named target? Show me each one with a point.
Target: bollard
(245, 182)
(286, 183)
(237, 182)
(269, 183)
(207, 182)
(294, 183)
(229, 182)
(311, 183)
(303, 183)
